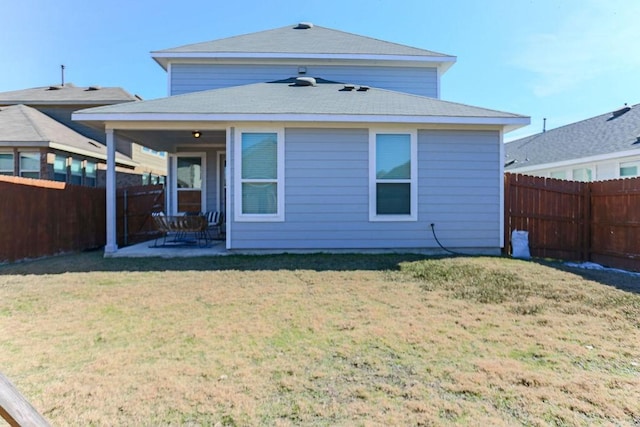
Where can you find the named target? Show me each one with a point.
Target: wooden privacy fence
(42, 218)
(133, 213)
(597, 221)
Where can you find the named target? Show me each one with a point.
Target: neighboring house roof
(293, 100)
(23, 126)
(614, 132)
(68, 94)
(302, 41)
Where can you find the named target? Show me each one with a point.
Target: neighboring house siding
(62, 114)
(601, 170)
(187, 78)
(327, 194)
(147, 162)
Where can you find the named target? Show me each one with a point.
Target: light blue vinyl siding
(460, 185)
(187, 78)
(327, 191)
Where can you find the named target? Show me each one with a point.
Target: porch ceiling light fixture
(196, 134)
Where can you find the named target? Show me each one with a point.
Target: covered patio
(147, 249)
(195, 182)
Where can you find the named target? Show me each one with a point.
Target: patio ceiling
(169, 140)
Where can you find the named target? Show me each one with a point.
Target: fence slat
(42, 218)
(596, 221)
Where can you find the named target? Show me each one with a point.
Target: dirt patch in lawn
(318, 340)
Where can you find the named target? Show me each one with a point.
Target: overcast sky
(565, 60)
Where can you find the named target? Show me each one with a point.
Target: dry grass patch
(319, 340)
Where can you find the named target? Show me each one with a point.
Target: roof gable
(608, 133)
(300, 41)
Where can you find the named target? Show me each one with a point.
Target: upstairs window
(6, 163)
(393, 175)
(30, 165)
(259, 166)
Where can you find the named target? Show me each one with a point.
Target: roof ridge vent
(621, 111)
(53, 88)
(303, 26)
(90, 88)
(305, 81)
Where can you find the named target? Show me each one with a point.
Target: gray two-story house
(309, 138)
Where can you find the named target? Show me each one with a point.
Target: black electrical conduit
(433, 230)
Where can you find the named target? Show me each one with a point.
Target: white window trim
(632, 163)
(20, 171)
(373, 216)
(13, 162)
(174, 178)
(237, 174)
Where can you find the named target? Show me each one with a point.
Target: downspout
(112, 242)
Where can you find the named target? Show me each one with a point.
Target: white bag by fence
(520, 244)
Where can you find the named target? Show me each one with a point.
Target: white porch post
(112, 243)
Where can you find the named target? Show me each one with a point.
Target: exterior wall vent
(304, 26)
(620, 112)
(305, 81)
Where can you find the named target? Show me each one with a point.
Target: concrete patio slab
(147, 249)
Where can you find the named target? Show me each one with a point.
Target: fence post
(125, 217)
(586, 231)
(15, 409)
(507, 213)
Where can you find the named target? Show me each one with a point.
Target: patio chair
(214, 223)
(180, 227)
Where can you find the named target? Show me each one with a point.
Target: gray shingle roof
(600, 135)
(22, 126)
(284, 98)
(67, 94)
(313, 41)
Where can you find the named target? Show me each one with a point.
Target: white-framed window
(60, 168)
(189, 181)
(393, 176)
(6, 163)
(90, 173)
(76, 172)
(558, 174)
(583, 174)
(30, 165)
(147, 150)
(259, 173)
(629, 169)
